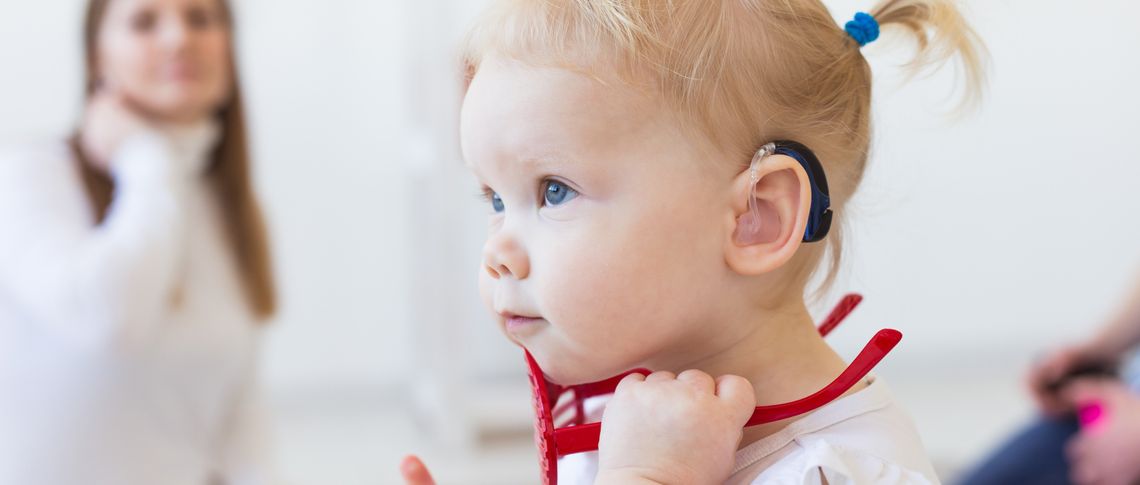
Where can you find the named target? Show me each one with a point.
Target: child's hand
(414, 472)
(673, 429)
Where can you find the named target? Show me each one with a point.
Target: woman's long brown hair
(229, 174)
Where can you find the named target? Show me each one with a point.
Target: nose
(175, 33)
(505, 257)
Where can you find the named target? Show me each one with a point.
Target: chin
(565, 369)
(185, 106)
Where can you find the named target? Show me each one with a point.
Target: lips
(515, 322)
(180, 72)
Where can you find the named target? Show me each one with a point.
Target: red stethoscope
(579, 436)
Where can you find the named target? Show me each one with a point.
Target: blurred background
(986, 239)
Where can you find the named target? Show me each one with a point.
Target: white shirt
(863, 438)
(104, 380)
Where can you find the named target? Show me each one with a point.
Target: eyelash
(488, 194)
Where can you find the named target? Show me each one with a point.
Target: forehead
(512, 108)
(127, 6)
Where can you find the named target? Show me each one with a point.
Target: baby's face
(607, 222)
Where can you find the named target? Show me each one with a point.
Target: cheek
(127, 63)
(214, 59)
(638, 282)
(576, 282)
(486, 290)
(487, 295)
(131, 65)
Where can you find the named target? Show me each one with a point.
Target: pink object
(1091, 414)
(554, 442)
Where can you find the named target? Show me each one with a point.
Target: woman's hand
(414, 471)
(1047, 373)
(673, 429)
(1107, 450)
(109, 121)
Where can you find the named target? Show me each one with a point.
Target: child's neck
(782, 355)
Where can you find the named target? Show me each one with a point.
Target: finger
(699, 380)
(1073, 448)
(1082, 473)
(1075, 452)
(1056, 365)
(1084, 391)
(107, 84)
(738, 393)
(1041, 396)
(107, 107)
(1046, 402)
(99, 103)
(1042, 379)
(629, 380)
(1079, 475)
(661, 376)
(414, 471)
(1060, 362)
(130, 105)
(1042, 373)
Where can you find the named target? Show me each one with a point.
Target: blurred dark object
(1095, 370)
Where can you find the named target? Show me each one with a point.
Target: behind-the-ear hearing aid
(819, 215)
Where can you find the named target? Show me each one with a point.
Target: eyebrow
(535, 163)
(538, 163)
(546, 159)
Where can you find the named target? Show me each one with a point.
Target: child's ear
(765, 233)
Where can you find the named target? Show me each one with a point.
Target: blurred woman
(134, 269)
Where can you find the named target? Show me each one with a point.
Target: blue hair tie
(864, 29)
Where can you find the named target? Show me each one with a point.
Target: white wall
(326, 100)
(1011, 229)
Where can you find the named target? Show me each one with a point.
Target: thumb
(739, 394)
(414, 471)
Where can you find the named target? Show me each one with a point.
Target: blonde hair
(742, 72)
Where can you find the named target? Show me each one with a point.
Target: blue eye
(496, 202)
(557, 193)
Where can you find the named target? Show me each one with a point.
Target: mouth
(180, 72)
(515, 322)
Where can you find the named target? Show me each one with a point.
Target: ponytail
(940, 34)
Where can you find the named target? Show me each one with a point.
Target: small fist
(108, 122)
(668, 428)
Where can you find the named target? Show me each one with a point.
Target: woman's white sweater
(127, 348)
